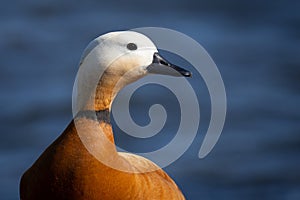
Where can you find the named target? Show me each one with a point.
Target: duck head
(114, 60)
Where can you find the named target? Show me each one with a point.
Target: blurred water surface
(255, 44)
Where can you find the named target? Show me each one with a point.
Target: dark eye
(131, 46)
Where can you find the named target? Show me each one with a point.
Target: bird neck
(102, 97)
(97, 108)
(119, 74)
(99, 118)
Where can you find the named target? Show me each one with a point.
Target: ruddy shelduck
(67, 169)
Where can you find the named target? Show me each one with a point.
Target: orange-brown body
(66, 170)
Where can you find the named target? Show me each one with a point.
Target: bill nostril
(164, 63)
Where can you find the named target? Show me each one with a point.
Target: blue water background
(255, 44)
